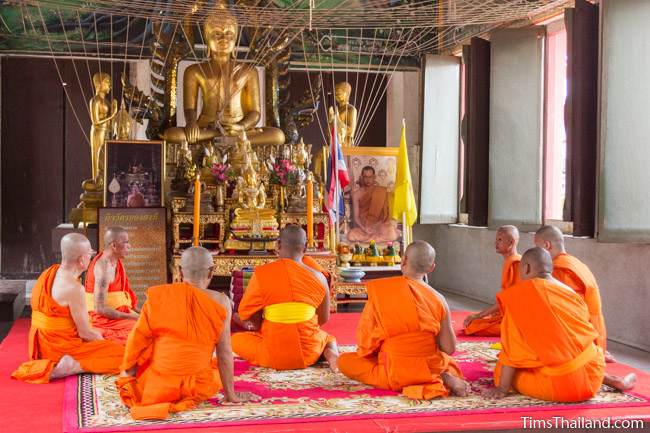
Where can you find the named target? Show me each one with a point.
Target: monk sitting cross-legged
(405, 337)
(286, 301)
(61, 340)
(575, 274)
(487, 323)
(110, 300)
(168, 364)
(548, 342)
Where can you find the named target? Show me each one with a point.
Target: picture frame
(146, 264)
(134, 173)
(371, 198)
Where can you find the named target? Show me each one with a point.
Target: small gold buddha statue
(346, 122)
(186, 168)
(101, 115)
(230, 91)
(251, 190)
(301, 157)
(123, 124)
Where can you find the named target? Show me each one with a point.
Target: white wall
(624, 203)
(404, 101)
(468, 265)
(140, 76)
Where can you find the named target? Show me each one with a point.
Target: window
(555, 148)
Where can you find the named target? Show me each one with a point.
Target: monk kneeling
(61, 340)
(487, 323)
(109, 297)
(548, 343)
(405, 337)
(286, 301)
(168, 365)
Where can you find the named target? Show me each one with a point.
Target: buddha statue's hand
(114, 106)
(192, 132)
(234, 129)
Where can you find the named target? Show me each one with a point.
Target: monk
(306, 260)
(168, 364)
(405, 337)
(575, 274)
(61, 340)
(487, 323)
(548, 342)
(370, 211)
(286, 301)
(110, 300)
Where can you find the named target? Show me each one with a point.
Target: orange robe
(282, 346)
(374, 215)
(396, 339)
(575, 274)
(491, 326)
(120, 297)
(547, 337)
(172, 345)
(53, 334)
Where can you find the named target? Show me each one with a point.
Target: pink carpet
(317, 395)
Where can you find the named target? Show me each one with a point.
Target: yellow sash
(289, 312)
(569, 367)
(113, 300)
(48, 323)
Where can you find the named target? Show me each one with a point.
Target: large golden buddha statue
(230, 92)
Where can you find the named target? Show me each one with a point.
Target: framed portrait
(134, 173)
(146, 263)
(373, 172)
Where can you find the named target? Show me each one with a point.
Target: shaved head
(196, 263)
(510, 231)
(73, 246)
(113, 234)
(507, 238)
(293, 241)
(550, 238)
(534, 262)
(420, 256)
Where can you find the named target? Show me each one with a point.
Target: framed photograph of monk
(373, 172)
(134, 173)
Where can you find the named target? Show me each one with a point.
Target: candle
(197, 211)
(281, 198)
(324, 164)
(310, 212)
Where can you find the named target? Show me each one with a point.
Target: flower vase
(219, 197)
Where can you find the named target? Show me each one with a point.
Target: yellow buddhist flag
(403, 198)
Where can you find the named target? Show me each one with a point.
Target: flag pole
(334, 149)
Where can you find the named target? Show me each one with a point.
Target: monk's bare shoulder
(220, 299)
(65, 290)
(319, 275)
(438, 295)
(561, 284)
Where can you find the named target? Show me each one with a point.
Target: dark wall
(45, 155)
(372, 99)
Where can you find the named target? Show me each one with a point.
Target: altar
(229, 167)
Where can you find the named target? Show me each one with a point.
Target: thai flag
(338, 177)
